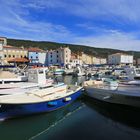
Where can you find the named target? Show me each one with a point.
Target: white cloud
(112, 39)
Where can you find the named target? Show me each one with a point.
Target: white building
(60, 56)
(120, 59)
(42, 57)
(37, 56)
(75, 62)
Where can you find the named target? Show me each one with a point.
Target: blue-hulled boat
(44, 99)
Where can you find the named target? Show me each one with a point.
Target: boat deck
(25, 96)
(131, 90)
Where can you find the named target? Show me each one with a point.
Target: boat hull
(13, 110)
(116, 97)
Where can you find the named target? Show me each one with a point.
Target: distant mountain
(46, 45)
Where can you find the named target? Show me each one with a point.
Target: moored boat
(78, 71)
(124, 94)
(36, 77)
(68, 71)
(43, 99)
(7, 77)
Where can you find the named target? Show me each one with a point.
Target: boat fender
(67, 99)
(52, 103)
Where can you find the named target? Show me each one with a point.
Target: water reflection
(125, 115)
(30, 126)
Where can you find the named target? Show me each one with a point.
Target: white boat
(78, 71)
(68, 71)
(36, 78)
(124, 94)
(130, 72)
(131, 82)
(6, 77)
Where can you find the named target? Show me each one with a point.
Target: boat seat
(98, 82)
(93, 82)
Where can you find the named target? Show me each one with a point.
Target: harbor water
(83, 119)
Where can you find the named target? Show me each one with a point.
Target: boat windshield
(138, 71)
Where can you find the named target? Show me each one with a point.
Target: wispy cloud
(91, 22)
(125, 9)
(112, 39)
(13, 21)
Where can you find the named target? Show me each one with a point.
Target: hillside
(100, 52)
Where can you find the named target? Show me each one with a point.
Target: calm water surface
(83, 119)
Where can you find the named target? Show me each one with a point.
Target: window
(5, 55)
(21, 56)
(51, 56)
(57, 51)
(51, 60)
(36, 57)
(13, 55)
(9, 55)
(31, 57)
(36, 52)
(57, 56)
(40, 71)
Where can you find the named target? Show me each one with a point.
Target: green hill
(99, 52)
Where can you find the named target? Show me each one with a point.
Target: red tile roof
(18, 60)
(35, 50)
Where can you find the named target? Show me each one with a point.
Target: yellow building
(99, 60)
(10, 52)
(87, 59)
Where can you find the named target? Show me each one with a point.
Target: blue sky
(100, 23)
